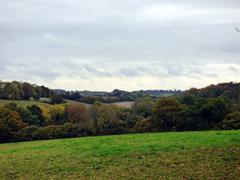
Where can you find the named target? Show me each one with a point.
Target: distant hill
(229, 90)
(114, 96)
(25, 91)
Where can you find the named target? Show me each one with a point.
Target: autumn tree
(10, 123)
(143, 107)
(165, 114)
(107, 119)
(77, 114)
(28, 91)
(57, 114)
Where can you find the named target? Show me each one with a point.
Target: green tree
(107, 119)
(143, 107)
(38, 93)
(188, 100)
(205, 114)
(57, 99)
(27, 116)
(231, 121)
(165, 114)
(11, 91)
(144, 125)
(212, 111)
(37, 115)
(28, 91)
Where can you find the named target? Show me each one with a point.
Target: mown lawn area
(175, 155)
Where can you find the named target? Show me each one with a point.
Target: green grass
(183, 155)
(23, 103)
(43, 102)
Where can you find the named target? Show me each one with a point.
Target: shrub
(27, 134)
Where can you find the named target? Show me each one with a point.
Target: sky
(126, 44)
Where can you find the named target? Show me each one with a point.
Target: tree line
(115, 96)
(213, 107)
(23, 91)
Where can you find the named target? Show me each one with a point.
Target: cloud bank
(137, 44)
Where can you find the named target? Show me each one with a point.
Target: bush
(27, 134)
(143, 125)
(165, 115)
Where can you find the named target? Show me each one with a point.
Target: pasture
(173, 155)
(22, 103)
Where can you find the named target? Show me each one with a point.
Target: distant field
(125, 104)
(68, 101)
(183, 155)
(42, 103)
(24, 103)
(76, 102)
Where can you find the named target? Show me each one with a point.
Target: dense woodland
(213, 107)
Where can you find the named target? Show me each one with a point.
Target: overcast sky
(125, 44)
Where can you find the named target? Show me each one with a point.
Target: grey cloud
(28, 73)
(233, 69)
(128, 72)
(169, 38)
(47, 74)
(96, 72)
(178, 69)
(3, 64)
(212, 75)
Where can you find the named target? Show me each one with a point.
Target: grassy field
(42, 103)
(23, 103)
(183, 155)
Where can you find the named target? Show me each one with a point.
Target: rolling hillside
(23, 103)
(43, 103)
(182, 155)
